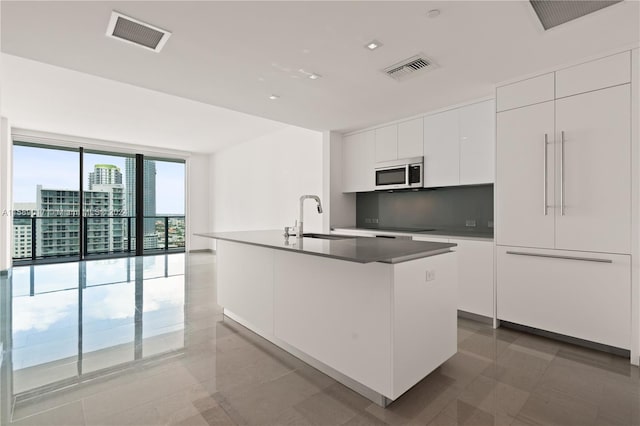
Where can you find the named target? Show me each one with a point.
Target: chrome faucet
(304, 197)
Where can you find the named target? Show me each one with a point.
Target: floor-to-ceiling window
(46, 221)
(51, 183)
(164, 203)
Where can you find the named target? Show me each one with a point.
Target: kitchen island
(376, 314)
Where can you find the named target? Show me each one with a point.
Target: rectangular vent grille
(556, 12)
(409, 67)
(131, 30)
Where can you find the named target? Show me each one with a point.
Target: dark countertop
(353, 249)
(442, 232)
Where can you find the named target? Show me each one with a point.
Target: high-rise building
(57, 233)
(149, 197)
(22, 229)
(105, 174)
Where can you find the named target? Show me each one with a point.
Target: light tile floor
(217, 373)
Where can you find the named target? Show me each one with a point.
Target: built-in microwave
(399, 174)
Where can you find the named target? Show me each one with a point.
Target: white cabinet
(441, 149)
(526, 92)
(477, 140)
(358, 151)
(475, 276)
(475, 273)
(399, 141)
(563, 202)
(594, 155)
(251, 294)
(606, 72)
(410, 139)
(525, 163)
(586, 168)
(459, 146)
(386, 143)
(577, 294)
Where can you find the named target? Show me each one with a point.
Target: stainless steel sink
(327, 236)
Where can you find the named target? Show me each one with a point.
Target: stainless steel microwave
(399, 174)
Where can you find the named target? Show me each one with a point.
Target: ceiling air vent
(556, 12)
(130, 30)
(410, 67)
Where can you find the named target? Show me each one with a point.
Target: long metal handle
(585, 259)
(544, 187)
(562, 173)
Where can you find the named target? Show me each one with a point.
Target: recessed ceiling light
(314, 76)
(433, 13)
(373, 45)
(274, 97)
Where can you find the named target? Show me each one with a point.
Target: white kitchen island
(377, 315)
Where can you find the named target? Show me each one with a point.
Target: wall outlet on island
(490, 224)
(470, 222)
(431, 275)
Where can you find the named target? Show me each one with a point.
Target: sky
(58, 169)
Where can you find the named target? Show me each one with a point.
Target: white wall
(6, 189)
(39, 96)
(197, 193)
(257, 184)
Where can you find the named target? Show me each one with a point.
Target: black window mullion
(81, 234)
(139, 205)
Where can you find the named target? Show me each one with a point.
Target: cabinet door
(358, 162)
(477, 141)
(593, 75)
(410, 139)
(387, 143)
(524, 217)
(527, 92)
(441, 150)
(579, 298)
(475, 276)
(594, 181)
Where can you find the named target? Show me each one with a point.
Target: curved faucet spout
(302, 198)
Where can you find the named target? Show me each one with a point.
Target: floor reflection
(71, 320)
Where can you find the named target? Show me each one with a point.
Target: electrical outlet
(470, 222)
(431, 275)
(490, 224)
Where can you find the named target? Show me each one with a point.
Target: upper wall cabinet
(398, 141)
(358, 158)
(410, 138)
(386, 143)
(441, 149)
(527, 92)
(477, 141)
(606, 72)
(459, 146)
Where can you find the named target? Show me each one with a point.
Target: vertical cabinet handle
(562, 173)
(544, 182)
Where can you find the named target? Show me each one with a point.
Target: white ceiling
(235, 54)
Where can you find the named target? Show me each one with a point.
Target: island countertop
(353, 249)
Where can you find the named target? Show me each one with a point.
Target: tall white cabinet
(563, 201)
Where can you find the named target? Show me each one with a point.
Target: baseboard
(475, 317)
(568, 339)
(202, 251)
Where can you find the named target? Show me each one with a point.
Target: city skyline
(33, 166)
